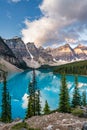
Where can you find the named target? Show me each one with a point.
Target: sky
(44, 22)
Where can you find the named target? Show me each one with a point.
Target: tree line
(34, 103)
(72, 68)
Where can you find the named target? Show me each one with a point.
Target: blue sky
(45, 22)
(13, 14)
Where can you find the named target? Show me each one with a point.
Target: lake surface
(48, 83)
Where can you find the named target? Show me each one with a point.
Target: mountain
(65, 53)
(18, 47)
(81, 52)
(8, 67)
(6, 53)
(28, 51)
(31, 55)
(39, 54)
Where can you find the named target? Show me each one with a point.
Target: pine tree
(64, 104)
(76, 101)
(34, 86)
(34, 107)
(30, 112)
(84, 103)
(6, 102)
(38, 105)
(46, 108)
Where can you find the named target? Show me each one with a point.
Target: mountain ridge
(43, 56)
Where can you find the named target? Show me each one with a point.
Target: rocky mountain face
(39, 54)
(18, 47)
(29, 52)
(66, 53)
(81, 52)
(6, 53)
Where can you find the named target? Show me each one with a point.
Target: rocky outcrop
(55, 121)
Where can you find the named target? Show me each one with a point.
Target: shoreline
(72, 74)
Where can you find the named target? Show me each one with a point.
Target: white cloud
(80, 85)
(25, 101)
(57, 15)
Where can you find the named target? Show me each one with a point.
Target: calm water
(48, 83)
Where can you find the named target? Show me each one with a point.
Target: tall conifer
(64, 104)
(84, 103)
(46, 108)
(76, 101)
(34, 107)
(6, 102)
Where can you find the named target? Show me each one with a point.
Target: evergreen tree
(84, 103)
(34, 86)
(34, 107)
(64, 104)
(76, 101)
(6, 102)
(38, 105)
(30, 111)
(46, 108)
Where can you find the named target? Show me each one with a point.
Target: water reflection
(48, 83)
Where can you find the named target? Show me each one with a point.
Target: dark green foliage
(37, 103)
(84, 103)
(77, 112)
(6, 102)
(21, 126)
(76, 101)
(46, 109)
(73, 68)
(34, 86)
(34, 106)
(64, 104)
(30, 110)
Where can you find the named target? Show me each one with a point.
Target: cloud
(80, 85)
(62, 19)
(25, 101)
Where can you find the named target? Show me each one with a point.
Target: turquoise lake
(48, 83)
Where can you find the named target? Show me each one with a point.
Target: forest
(79, 68)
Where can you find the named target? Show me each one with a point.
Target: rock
(50, 127)
(84, 126)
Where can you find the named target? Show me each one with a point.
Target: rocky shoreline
(54, 121)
